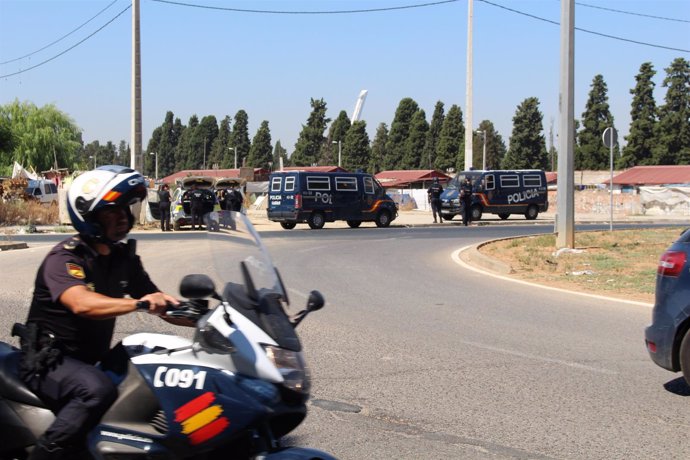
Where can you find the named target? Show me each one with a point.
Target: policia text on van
(502, 192)
(316, 198)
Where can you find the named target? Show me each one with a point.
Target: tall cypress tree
(495, 147)
(279, 152)
(595, 119)
(356, 150)
(220, 155)
(336, 133)
(429, 152)
(184, 157)
(414, 145)
(239, 138)
(673, 135)
(311, 138)
(378, 149)
(527, 147)
(643, 116)
(451, 142)
(261, 151)
(400, 130)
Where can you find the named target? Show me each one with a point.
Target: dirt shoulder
(620, 264)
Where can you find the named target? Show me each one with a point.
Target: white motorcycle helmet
(110, 185)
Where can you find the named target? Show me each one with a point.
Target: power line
(585, 30)
(632, 13)
(59, 39)
(70, 48)
(370, 10)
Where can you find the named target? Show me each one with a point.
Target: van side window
(290, 184)
(489, 182)
(318, 183)
(510, 181)
(368, 185)
(346, 184)
(533, 180)
(275, 184)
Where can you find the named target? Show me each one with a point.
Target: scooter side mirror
(315, 301)
(197, 287)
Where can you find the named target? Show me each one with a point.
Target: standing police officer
(78, 293)
(196, 205)
(466, 197)
(434, 196)
(164, 207)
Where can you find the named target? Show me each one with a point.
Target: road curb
(7, 246)
(483, 265)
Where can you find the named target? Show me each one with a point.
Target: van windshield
(454, 184)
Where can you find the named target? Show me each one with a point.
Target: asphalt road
(415, 357)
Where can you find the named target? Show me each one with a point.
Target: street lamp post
(94, 160)
(235, 151)
(204, 154)
(483, 133)
(339, 151)
(156, 154)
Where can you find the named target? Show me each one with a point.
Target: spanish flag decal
(76, 271)
(200, 419)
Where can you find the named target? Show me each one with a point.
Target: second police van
(502, 192)
(318, 197)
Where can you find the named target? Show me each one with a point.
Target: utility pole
(565, 217)
(135, 157)
(468, 89)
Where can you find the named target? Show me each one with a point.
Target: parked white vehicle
(43, 191)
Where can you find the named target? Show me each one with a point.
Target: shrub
(18, 212)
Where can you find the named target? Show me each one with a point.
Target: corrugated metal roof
(653, 175)
(402, 178)
(203, 172)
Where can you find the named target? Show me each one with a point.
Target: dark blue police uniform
(75, 390)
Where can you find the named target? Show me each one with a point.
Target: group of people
(434, 197)
(230, 200)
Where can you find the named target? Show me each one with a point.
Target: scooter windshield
(239, 257)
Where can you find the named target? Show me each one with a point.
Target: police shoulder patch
(76, 271)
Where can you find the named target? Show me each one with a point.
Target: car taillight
(671, 263)
(298, 201)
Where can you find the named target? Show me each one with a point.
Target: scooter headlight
(291, 366)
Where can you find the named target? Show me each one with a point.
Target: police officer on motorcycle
(79, 290)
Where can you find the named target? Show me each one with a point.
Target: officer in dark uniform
(196, 205)
(79, 290)
(164, 206)
(466, 197)
(434, 196)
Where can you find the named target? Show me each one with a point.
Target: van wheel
(383, 219)
(531, 213)
(684, 357)
(503, 215)
(354, 223)
(288, 225)
(476, 213)
(316, 221)
(448, 216)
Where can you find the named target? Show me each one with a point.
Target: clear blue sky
(213, 62)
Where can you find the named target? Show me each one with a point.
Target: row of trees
(44, 137)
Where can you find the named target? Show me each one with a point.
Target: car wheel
(503, 215)
(684, 357)
(383, 219)
(288, 225)
(316, 221)
(354, 223)
(476, 213)
(176, 226)
(531, 213)
(448, 216)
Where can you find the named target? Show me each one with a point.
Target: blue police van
(502, 192)
(318, 197)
